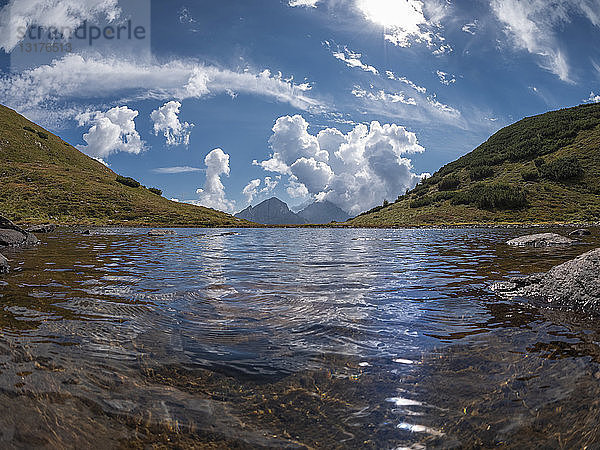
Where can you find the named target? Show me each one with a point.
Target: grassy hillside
(44, 179)
(542, 169)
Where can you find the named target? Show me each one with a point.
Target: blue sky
(226, 103)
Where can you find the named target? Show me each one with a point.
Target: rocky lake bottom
(291, 338)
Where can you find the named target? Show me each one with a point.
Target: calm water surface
(290, 338)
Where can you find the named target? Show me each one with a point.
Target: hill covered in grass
(542, 169)
(44, 179)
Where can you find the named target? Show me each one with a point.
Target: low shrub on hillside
(449, 183)
(498, 196)
(371, 211)
(421, 202)
(530, 175)
(430, 199)
(441, 196)
(562, 169)
(421, 188)
(501, 196)
(155, 191)
(481, 173)
(127, 181)
(41, 134)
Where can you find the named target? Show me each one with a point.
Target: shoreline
(337, 226)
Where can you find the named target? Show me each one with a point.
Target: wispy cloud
(177, 169)
(445, 78)
(352, 59)
(535, 24)
(392, 76)
(93, 78)
(381, 95)
(305, 3)
(470, 28)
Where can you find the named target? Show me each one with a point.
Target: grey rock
(12, 235)
(574, 285)
(541, 240)
(160, 232)
(582, 232)
(46, 228)
(4, 267)
(11, 238)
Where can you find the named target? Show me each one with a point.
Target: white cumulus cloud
(212, 195)
(290, 141)
(251, 190)
(110, 132)
(166, 122)
(295, 189)
(356, 171)
(593, 98)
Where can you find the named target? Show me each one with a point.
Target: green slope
(44, 179)
(542, 169)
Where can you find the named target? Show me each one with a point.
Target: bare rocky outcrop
(574, 285)
(541, 240)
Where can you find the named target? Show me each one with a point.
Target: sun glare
(403, 14)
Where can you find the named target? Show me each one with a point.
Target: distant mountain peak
(272, 211)
(321, 212)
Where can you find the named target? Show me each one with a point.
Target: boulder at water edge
(160, 232)
(12, 235)
(541, 240)
(46, 228)
(574, 285)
